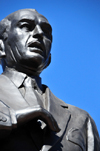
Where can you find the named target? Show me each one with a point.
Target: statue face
(29, 40)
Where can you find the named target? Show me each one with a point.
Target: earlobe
(2, 49)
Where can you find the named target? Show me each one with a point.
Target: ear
(49, 61)
(2, 49)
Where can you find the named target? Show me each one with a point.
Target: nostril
(38, 36)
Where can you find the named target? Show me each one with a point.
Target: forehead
(28, 15)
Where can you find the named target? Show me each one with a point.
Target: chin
(32, 64)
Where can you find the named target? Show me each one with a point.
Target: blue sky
(74, 73)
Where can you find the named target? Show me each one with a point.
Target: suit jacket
(78, 130)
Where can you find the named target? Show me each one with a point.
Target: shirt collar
(18, 78)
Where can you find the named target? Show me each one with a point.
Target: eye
(25, 26)
(47, 31)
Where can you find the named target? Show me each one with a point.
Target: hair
(4, 28)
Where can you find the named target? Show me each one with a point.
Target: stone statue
(31, 117)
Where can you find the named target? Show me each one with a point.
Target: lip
(35, 46)
(37, 50)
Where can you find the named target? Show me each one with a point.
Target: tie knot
(28, 82)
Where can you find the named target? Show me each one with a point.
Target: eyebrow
(26, 20)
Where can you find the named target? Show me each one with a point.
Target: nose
(37, 31)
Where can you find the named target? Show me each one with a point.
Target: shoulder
(77, 111)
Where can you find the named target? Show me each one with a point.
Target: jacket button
(4, 119)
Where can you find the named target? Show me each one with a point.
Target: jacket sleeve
(93, 140)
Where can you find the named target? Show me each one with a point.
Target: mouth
(36, 47)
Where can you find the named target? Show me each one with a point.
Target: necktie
(31, 95)
(34, 98)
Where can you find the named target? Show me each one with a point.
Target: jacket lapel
(59, 111)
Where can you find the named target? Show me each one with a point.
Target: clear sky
(74, 74)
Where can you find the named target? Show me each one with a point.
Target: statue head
(25, 41)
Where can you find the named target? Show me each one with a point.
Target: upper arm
(93, 140)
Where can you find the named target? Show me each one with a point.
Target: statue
(31, 117)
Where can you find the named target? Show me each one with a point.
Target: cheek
(18, 35)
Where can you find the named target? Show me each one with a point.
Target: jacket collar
(16, 77)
